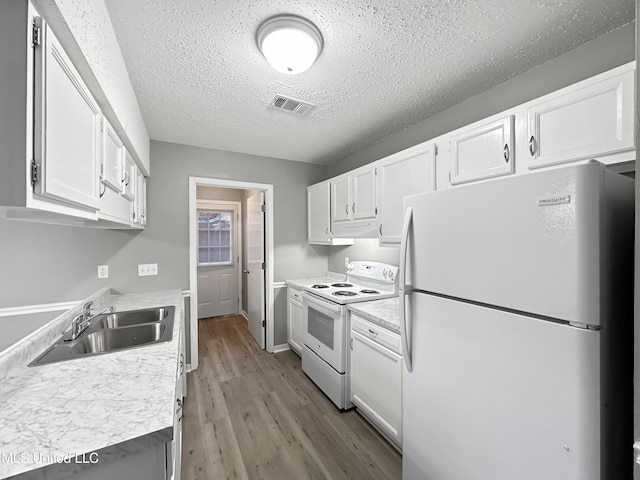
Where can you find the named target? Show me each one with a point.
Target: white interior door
(255, 267)
(218, 260)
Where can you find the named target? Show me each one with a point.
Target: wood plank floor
(254, 415)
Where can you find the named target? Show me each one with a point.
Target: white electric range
(325, 322)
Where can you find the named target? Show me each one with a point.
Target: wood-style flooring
(254, 415)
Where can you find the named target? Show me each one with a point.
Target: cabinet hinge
(264, 323)
(264, 265)
(376, 211)
(34, 173)
(375, 171)
(435, 149)
(263, 208)
(35, 35)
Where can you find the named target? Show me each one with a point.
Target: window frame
(219, 248)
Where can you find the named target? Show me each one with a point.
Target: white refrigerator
(517, 320)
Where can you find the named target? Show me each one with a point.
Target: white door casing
(194, 182)
(255, 267)
(218, 285)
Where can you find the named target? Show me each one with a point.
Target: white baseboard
(245, 315)
(281, 348)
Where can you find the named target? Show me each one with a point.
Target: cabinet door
(405, 173)
(582, 123)
(483, 151)
(318, 213)
(340, 199)
(294, 324)
(363, 194)
(112, 157)
(140, 213)
(376, 387)
(129, 176)
(67, 133)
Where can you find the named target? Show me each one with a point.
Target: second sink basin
(133, 317)
(110, 339)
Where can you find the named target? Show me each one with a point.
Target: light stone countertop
(383, 312)
(112, 404)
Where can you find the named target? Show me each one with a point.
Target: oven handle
(324, 306)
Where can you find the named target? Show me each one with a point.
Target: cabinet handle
(532, 145)
(380, 229)
(346, 209)
(353, 208)
(126, 178)
(179, 408)
(351, 343)
(104, 187)
(373, 332)
(506, 153)
(181, 364)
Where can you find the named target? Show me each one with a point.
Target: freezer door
(495, 395)
(532, 243)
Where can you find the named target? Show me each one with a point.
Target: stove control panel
(380, 272)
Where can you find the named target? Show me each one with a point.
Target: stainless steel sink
(114, 332)
(134, 317)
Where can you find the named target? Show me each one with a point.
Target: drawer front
(294, 294)
(377, 333)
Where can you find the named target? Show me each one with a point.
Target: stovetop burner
(345, 293)
(341, 285)
(369, 291)
(319, 285)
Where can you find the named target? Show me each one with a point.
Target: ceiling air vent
(291, 104)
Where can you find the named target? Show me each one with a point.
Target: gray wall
(604, 53)
(47, 263)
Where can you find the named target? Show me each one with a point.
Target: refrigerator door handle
(404, 329)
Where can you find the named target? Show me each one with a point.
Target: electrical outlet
(103, 271)
(346, 261)
(147, 269)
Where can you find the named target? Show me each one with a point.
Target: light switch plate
(147, 269)
(103, 271)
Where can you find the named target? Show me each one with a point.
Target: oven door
(325, 330)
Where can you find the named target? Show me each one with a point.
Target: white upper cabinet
(363, 198)
(67, 127)
(55, 146)
(340, 199)
(319, 216)
(592, 119)
(483, 150)
(353, 203)
(112, 158)
(140, 207)
(404, 173)
(129, 176)
(318, 219)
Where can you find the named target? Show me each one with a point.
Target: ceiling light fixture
(289, 43)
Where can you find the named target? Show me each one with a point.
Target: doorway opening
(218, 249)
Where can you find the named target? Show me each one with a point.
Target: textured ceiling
(201, 80)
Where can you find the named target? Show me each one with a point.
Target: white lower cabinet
(376, 377)
(294, 319)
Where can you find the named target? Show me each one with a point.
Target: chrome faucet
(82, 321)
